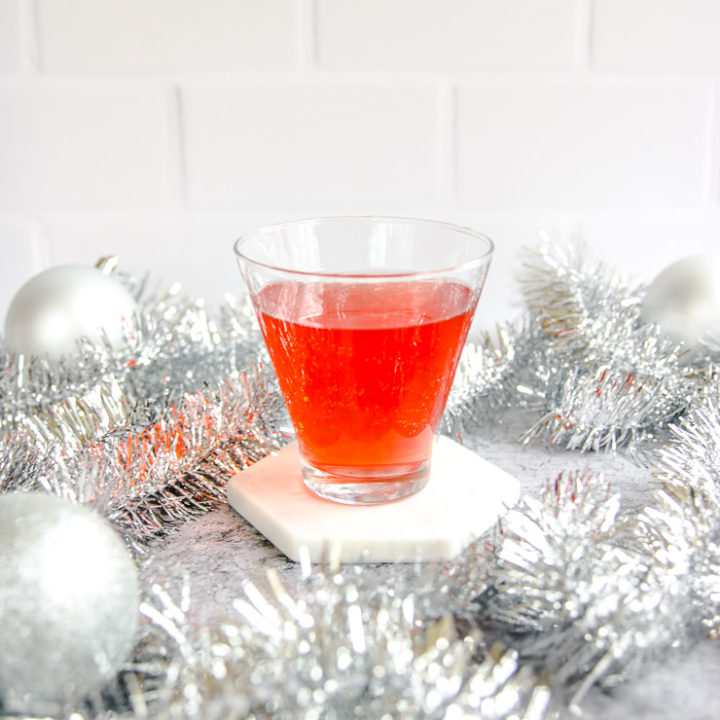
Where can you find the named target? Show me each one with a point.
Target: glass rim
(481, 258)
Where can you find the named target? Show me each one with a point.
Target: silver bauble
(57, 307)
(69, 597)
(684, 300)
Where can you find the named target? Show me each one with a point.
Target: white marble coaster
(464, 496)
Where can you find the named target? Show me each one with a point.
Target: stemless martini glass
(364, 319)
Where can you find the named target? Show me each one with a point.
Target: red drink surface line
(365, 368)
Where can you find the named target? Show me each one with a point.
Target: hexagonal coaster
(464, 496)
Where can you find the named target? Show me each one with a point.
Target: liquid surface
(365, 369)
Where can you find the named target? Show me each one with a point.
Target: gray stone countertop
(220, 550)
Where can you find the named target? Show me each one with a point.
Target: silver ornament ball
(69, 597)
(684, 300)
(57, 307)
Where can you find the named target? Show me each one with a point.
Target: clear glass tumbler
(364, 319)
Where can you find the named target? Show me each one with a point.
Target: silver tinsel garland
(594, 376)
(147, 434)
(342, 647)
(576, 589)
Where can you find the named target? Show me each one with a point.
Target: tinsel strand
(582, 365)
(594, 592)
(147, 433)
(331, 650)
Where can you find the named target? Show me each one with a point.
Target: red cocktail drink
(365, 319)
(366, 368)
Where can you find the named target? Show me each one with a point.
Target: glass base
(366, 491)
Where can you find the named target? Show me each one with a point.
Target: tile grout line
(713, 162)
(305, 35)
(30, 33)
(40, 250)
(176, 158)
(583, 39)
(445, 181)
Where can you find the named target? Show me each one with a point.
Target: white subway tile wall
(159, 130)
(11, 52)
(309, 144)
(20, 257)
(83, 145)
(583, 143)
(422, 35)
(143, 37)
(669, 35)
